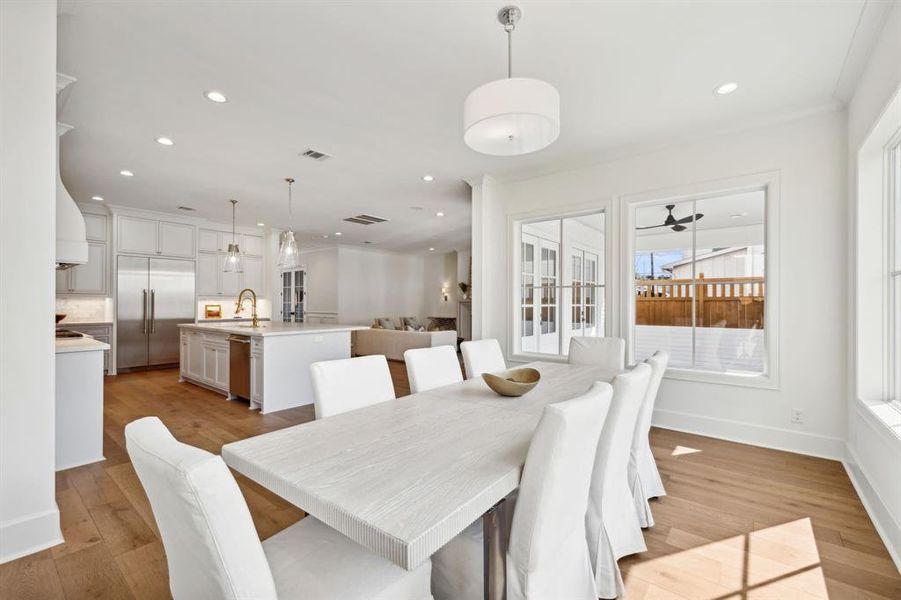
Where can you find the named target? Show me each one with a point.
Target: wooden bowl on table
(513, 382)
(60, 317)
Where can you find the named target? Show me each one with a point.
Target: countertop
(272, 328)
(67, 324)
(85, 344)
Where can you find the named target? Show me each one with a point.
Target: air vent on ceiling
(187, 208)
(365, 219)
(315, 154)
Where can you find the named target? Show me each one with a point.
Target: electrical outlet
(797, 415)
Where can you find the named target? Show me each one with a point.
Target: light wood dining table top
(403, 477)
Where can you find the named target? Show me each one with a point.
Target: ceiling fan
(674, 223)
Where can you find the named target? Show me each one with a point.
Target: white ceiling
(380, 85)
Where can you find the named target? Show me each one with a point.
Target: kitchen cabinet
(212, 280)
(212, 240)
(138, 235)
(215, 363)
(176, 239)
(256, 378)
(102, 332)
(90, 278)
(253, 274)
(192, 355)
(207, 276)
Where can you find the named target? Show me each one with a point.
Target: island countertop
(271, 328)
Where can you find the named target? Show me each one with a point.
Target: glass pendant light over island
(511, 116)
(288, 256)
(233, 262)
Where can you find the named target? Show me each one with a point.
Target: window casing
(894, 274)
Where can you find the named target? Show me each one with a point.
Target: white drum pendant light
(515, 115)
(288, 256)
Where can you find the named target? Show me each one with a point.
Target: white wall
(322, 279)
(29, 518)
(374, 283)
(810, 157)
(873, 451)
(440, 271)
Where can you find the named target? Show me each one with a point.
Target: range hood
(71, 242)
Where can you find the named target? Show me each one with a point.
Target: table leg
(495, 559)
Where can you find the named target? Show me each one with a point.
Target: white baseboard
(30, 534)
(756, 435)
(886, 526)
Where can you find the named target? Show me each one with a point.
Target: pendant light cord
(234, 204)
(509, 27)
(290, 209)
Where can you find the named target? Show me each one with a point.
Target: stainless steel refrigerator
(153, 296)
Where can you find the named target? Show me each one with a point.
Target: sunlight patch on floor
(683, 450)
(776, 562)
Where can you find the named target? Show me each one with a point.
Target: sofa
(394, 342)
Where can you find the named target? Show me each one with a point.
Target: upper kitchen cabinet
(211, 240)
(138, 235)
(88, 279)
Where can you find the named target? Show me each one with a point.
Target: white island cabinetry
(279, 360)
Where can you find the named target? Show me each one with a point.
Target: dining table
(404, 477)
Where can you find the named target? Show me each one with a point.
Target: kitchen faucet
(255, 322)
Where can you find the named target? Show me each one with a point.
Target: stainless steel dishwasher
(239, 366)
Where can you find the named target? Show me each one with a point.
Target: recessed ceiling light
(439, 214)
(165, 141)
(214, 96)
(97, 198)
(739, 215)
(428, 178)
(261, 224)
(337, 233)
(431, 249)
(726, 88)
(324, 235)
(126, 173)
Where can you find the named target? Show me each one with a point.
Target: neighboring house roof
(715, 253)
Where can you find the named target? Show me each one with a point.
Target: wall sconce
(444, 293)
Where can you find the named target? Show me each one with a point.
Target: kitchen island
(276, 357)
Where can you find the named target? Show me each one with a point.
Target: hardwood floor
(739, 522)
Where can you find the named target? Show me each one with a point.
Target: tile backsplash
(85, 310)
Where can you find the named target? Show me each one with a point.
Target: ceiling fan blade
(688, 219)
(653, 226)
(679, 227)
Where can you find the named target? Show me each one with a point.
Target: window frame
(770, 183)
(893, 271)
(515, 241)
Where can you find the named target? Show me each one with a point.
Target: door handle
(144, 317)
(152, 310)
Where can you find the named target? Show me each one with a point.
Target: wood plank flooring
(739, 522)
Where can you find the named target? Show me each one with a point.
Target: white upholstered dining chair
(607, 352)
(482, 356)
(213, 550)
(429, 368)
(644, 478)
(547, 556)
(350, 383)
(611, 521)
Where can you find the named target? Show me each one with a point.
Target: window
(292, 308)
(700, 282)
(562, 284)
(895, 272)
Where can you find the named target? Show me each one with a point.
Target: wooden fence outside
(734, 302)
